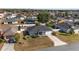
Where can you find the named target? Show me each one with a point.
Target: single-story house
(30, 20)
(6, 32)
(64, 27)
(12, 19)
(40, 30)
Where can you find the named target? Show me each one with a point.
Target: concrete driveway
(8, 47)
(56, 41)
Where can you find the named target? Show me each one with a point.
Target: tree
(71, 31)
(43, 17)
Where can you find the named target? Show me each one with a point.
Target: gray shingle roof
(10, 20)
(38, 28)
(64, 25)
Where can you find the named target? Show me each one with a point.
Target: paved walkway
(57, 42)
(8, 47)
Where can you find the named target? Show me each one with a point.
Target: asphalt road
(71, 47)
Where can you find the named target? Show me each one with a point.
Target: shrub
(54, 33)
(24, 38)
(34, 36)
(1, 40)
(17, 37)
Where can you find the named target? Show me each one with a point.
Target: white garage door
(48, 32)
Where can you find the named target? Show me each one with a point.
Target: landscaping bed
(69, 38)
(29, 43)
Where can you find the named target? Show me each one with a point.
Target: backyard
(33, 43)
(69, 38)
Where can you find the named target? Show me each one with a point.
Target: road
(70, 47)
(8, 47)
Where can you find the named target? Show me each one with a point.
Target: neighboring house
(6, 32)
(12, 19)
(64, 27)
(29, 21)
(40, 30)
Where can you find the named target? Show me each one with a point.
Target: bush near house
(54, 33)
(17, 37)
(2, 40)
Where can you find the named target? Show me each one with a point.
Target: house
(40, 30)
(7, 33)
(12, 19)
(30, 20)
(64, 27)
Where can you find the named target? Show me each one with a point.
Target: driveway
(57, 42)
(8, 47)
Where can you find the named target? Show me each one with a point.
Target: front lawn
(69, 38)
(28, 43)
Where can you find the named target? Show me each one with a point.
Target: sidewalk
(8, 47)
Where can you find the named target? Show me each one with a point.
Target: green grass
(69, 38)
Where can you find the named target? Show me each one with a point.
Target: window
(9, 22)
